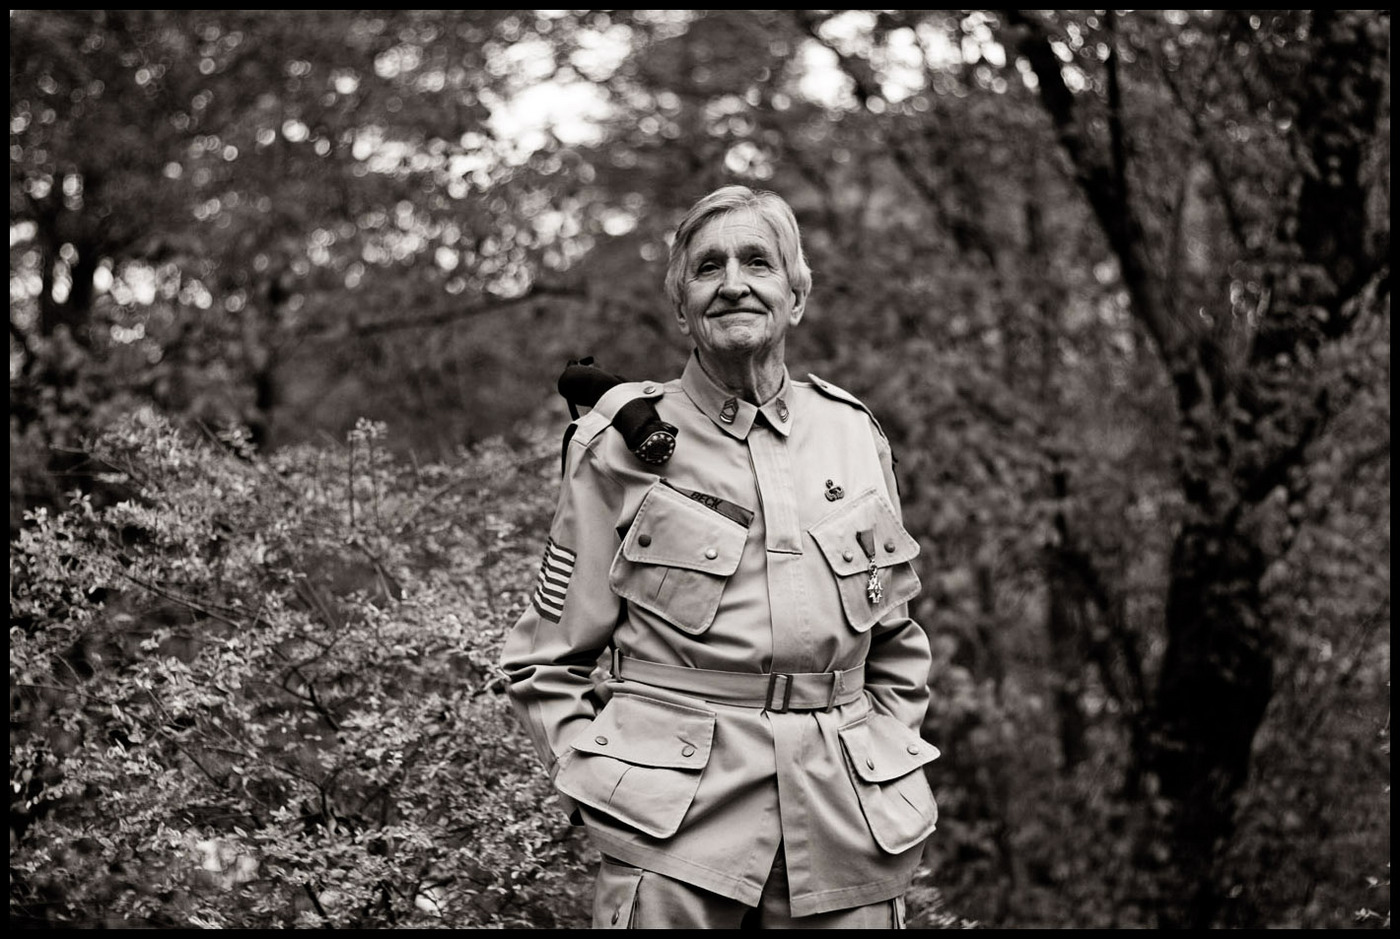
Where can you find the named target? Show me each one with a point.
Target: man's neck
(753, 380)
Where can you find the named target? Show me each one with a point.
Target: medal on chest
(874, 590)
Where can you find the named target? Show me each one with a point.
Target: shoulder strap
(838, 393)
(616, 398)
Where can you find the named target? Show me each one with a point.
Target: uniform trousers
(627, 897)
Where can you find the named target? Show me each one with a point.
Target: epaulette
(841, 394)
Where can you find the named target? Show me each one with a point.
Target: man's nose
(734, 286)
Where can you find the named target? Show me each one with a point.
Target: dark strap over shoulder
(650, 438)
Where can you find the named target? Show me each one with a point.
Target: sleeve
(551, 652)
(897, 666)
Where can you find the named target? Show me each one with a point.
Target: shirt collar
(733, 414)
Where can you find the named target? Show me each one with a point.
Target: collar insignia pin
(729, 411)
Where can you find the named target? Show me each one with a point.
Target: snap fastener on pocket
(616, 913)
(889, 546)
(687, 751)
(644, 540)
(848, 555)
(711, 553)
(912, 748)
(600, 740)
(869, 762)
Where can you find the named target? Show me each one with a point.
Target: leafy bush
(258, 691)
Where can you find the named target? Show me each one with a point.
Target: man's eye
(709, 267)
(760, 263)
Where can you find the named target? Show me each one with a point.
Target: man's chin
(740, 347)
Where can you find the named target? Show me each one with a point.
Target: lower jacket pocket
(639, 762)
(886, 759)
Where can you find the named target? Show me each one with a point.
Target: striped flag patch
(555, 572)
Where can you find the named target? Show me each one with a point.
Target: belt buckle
(787, 692)
(837, 686)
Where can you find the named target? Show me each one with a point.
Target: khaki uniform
(749, 552)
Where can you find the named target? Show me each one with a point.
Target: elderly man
(754, 757)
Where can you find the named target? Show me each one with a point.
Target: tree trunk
(1217, 673)
(1214, 686)
(1244, 432)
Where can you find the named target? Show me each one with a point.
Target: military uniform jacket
(747, 552)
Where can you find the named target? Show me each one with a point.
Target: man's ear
(799, 307)
(682, 322)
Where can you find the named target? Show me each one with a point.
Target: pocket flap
(648, 732)
(838, 536)
(673, 530)
(880, 748)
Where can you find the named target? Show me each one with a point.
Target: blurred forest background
(289, 294)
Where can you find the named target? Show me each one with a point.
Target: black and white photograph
(700, 469)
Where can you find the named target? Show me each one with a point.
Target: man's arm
(897, 667)
(551, 652)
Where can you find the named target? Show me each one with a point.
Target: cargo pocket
(852, 538)
(885, 760)
(639, 762)
(676, 558)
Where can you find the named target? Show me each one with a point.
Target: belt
(772, 691)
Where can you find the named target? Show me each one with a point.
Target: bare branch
(1107, 197)
(361, 330)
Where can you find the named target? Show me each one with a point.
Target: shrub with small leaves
(259, 691)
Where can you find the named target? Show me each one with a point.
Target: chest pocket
(848, 537)
(676, 558)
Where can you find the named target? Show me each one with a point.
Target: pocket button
(688, 751)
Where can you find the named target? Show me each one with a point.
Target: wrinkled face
(736, 301)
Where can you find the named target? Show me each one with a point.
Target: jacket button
(889, 546)
(687, 750)
(600, 740)
(616, 913)
(848, 555)
(869, 762)
(647, 389)
(711, 553)
(912, 748)
(644, 540)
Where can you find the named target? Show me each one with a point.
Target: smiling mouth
(741, 311)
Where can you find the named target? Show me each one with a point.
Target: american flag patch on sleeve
(555, 572)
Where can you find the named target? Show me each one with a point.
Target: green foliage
(258, 692)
